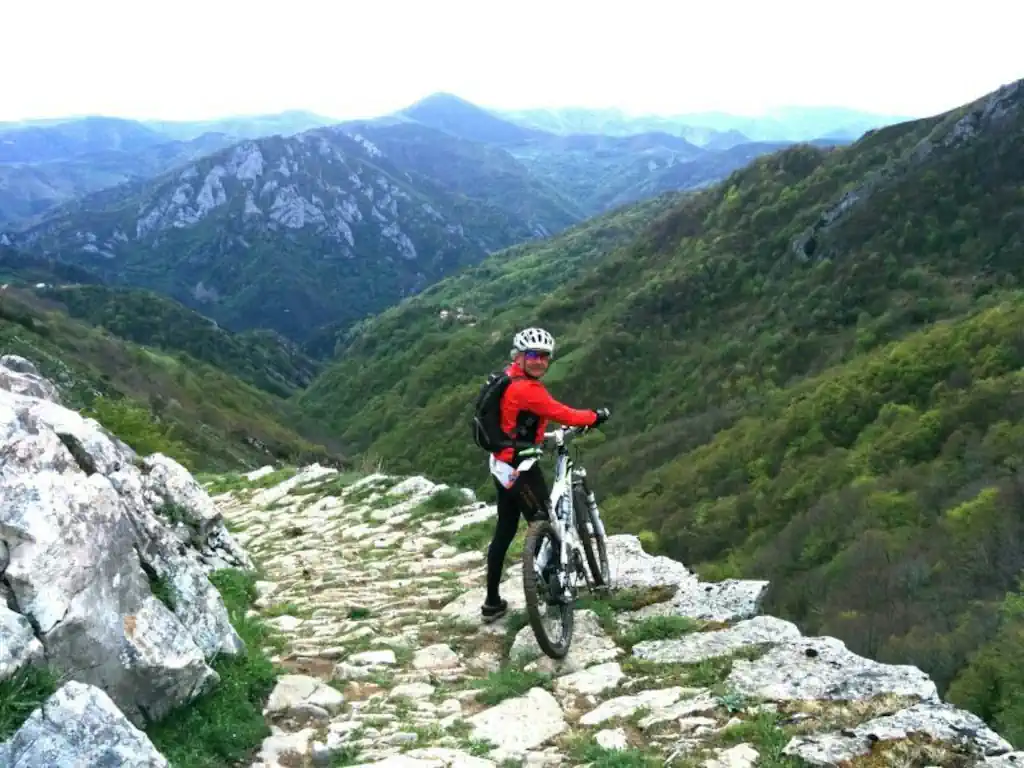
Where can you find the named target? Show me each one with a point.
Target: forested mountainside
(22, 269)
(280, 233)
(262, 358)
(173, 403)
(814, 371)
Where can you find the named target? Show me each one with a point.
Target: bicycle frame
(564, 535)
(561, 492)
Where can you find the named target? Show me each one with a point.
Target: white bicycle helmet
(534, 338)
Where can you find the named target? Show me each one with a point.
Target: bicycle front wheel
(550, 614)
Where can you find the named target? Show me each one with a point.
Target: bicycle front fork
(559, 519)
(595, 515)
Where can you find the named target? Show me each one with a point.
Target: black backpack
(487, 432)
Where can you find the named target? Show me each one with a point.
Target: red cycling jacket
(526, 408)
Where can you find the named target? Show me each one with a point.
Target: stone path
(374, 587)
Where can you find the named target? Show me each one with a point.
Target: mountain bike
(563, 551)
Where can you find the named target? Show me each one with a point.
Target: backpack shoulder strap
(510, 381)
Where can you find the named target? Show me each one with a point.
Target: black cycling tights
(529, 496)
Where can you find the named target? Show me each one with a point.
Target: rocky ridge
(993, 114)
(328, 183)
(375, 585)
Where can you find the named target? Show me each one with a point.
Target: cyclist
(526, 407)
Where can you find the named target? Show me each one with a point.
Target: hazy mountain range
(46, 162)
(303, 227)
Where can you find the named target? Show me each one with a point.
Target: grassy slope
(196, 412)
(261, 358)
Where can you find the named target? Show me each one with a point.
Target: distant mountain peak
(443, 99)
(459, 117)
(76, 137)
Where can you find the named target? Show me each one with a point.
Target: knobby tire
(536, 593)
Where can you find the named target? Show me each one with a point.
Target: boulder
(104, 556)
(79, 725)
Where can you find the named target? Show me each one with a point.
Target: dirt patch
(306, 665)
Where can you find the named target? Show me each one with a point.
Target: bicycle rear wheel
(550, 615)
(594, 546)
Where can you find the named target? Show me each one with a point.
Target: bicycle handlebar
(565, 431)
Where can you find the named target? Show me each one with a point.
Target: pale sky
(190, 59)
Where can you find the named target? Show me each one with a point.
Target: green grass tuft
(509, 682)
(226, 726)
(22, 693)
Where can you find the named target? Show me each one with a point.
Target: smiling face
(534, 362)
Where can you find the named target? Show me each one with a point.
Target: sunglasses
(532, 354)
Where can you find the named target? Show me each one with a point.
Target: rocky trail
(373, 586)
